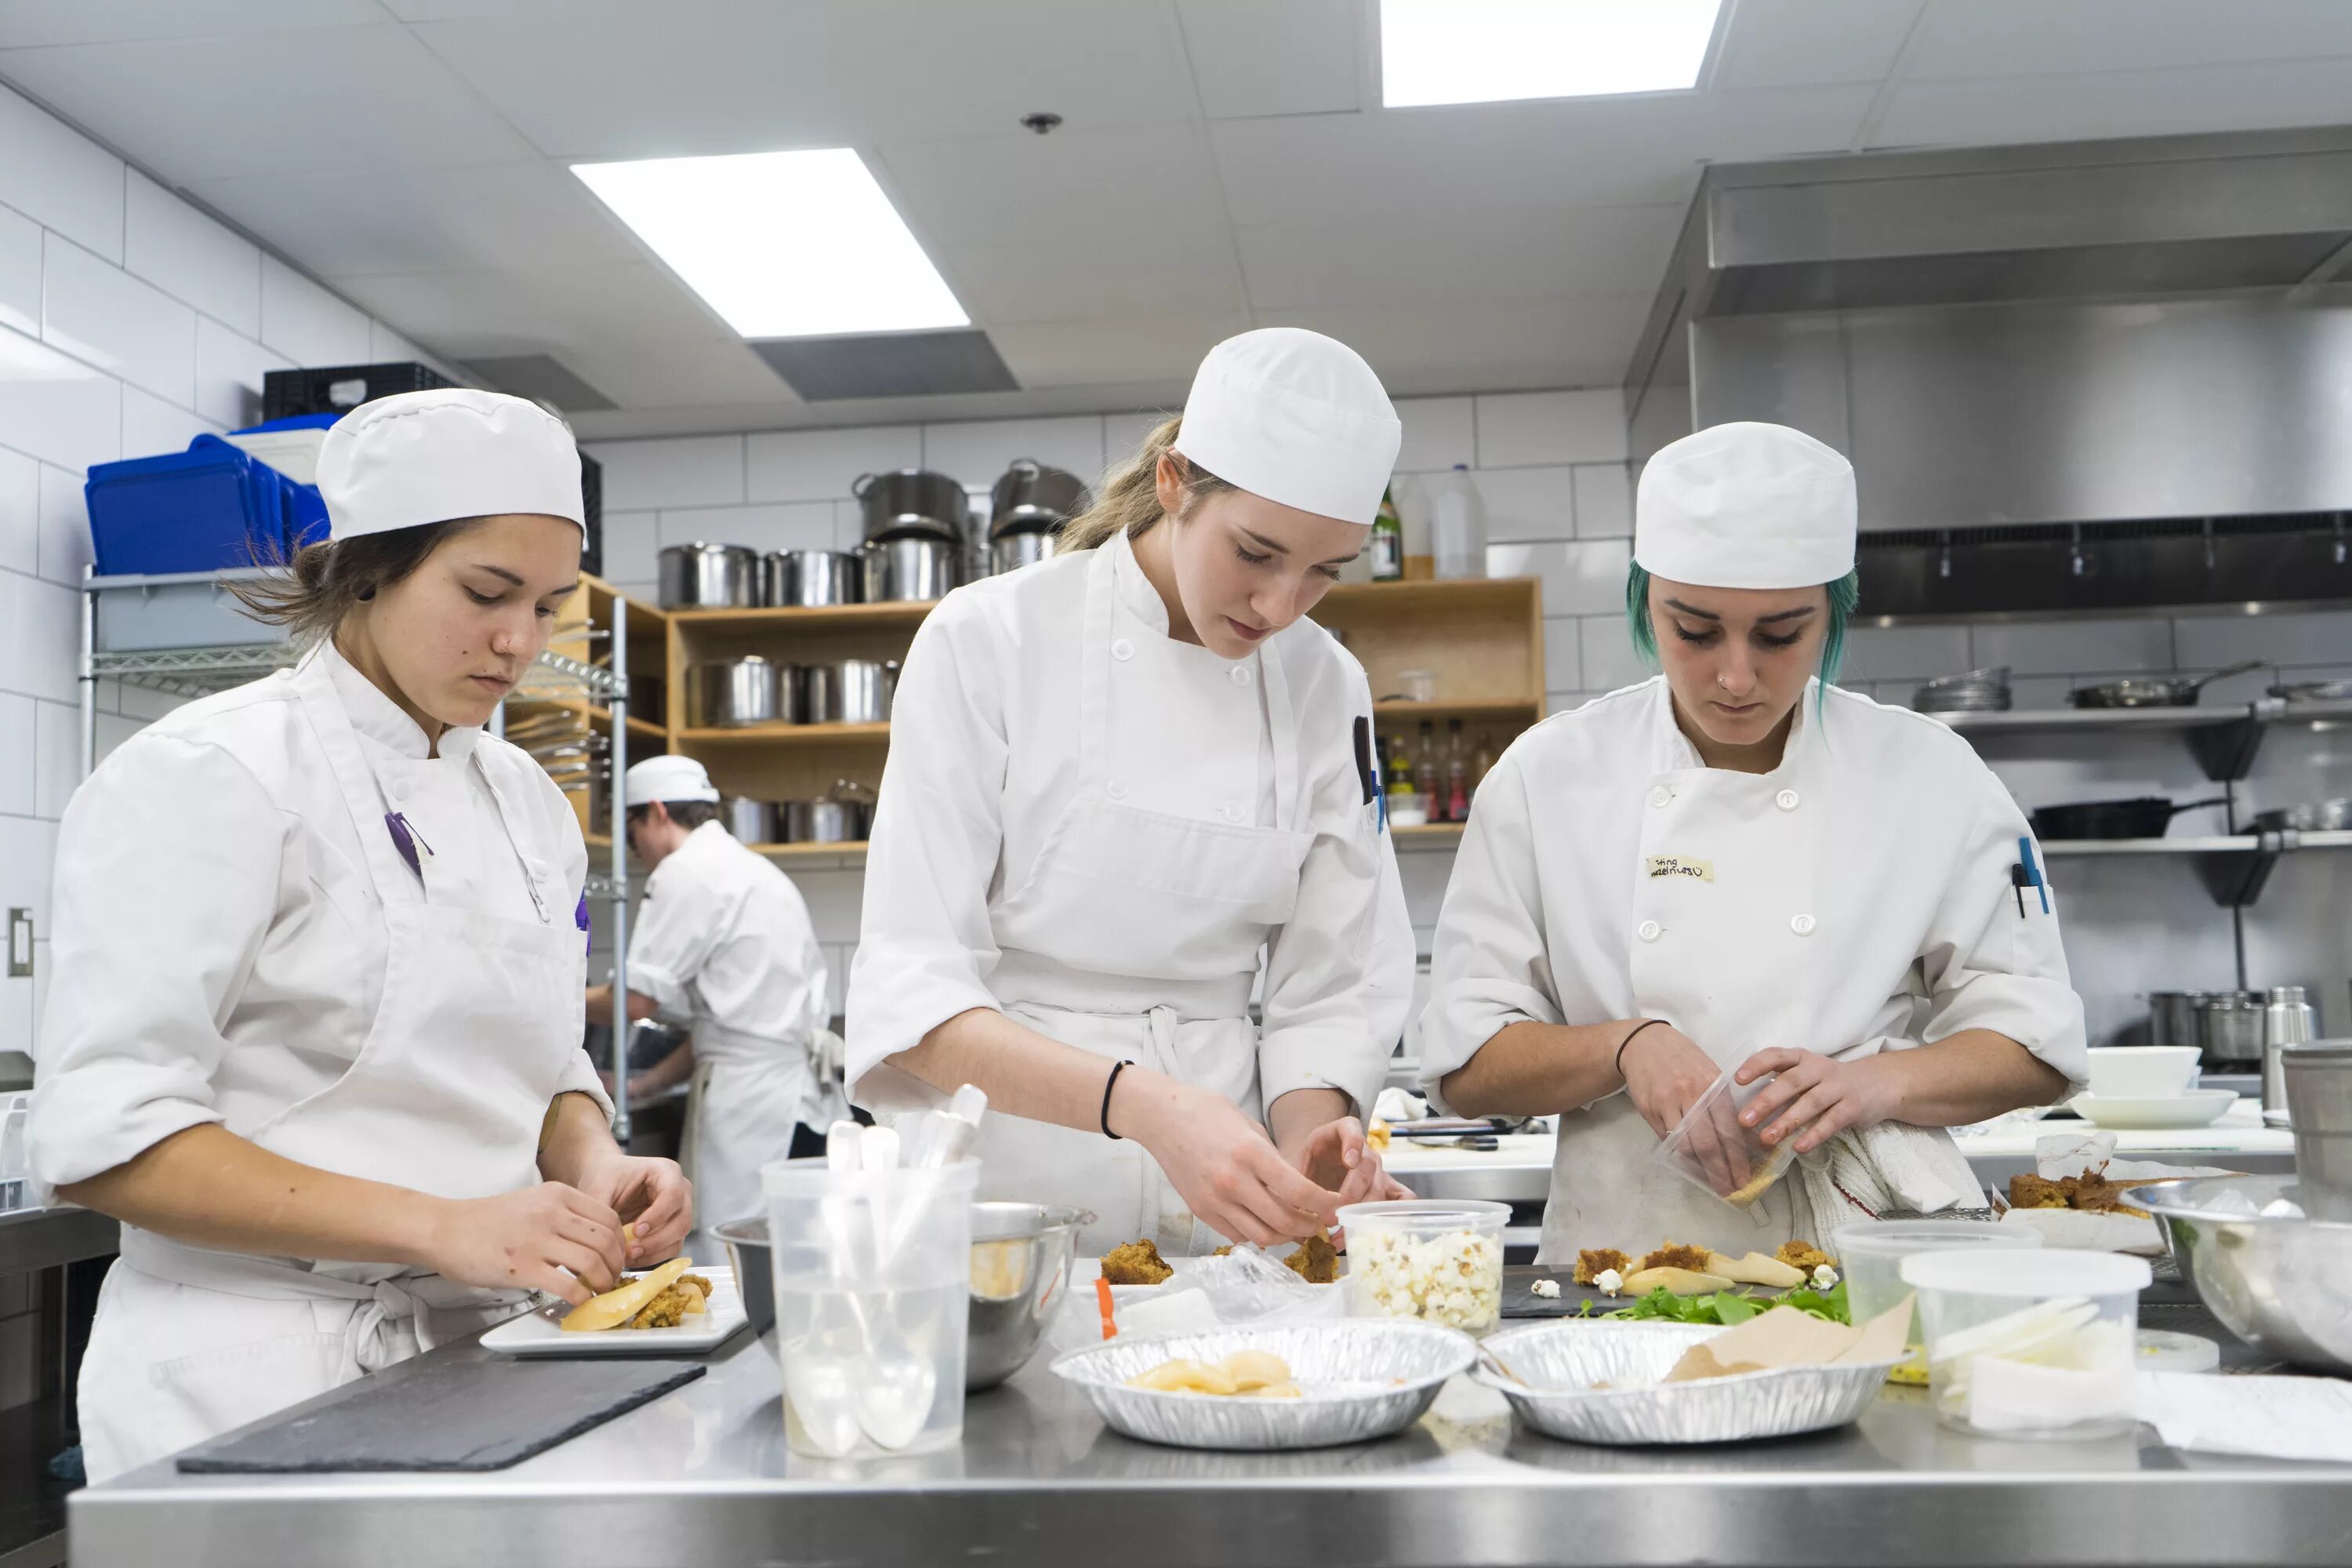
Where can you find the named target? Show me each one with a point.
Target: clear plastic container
(1870, 1254)
(872, 1274)
(2025, 1343)
(1709, 1149)
(1429, 1258)
(1408, 810)
(1417, 685)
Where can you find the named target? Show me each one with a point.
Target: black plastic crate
(592, 509)
(339, 388)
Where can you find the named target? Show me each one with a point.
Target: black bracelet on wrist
(1109, 1084)
(1621, 1046)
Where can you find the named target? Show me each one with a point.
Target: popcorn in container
(1439, 1261)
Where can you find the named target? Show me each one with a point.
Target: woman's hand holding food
(1665, 1074)
(651, 1195)
(550, 1238)
(1336, 1157)
(1221, 1162)
(1815, 1097)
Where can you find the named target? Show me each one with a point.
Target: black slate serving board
(1520, 1302)
(458, 1416)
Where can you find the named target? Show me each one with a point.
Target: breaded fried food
(2032, 1192)
(1136, 1263)
(1593, 1260)
(1672, 1255)
(687, 1295)
(1317, 1261)
(1804, 1256)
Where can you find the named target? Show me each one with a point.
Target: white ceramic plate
(2196, 1108)
(537, 1333)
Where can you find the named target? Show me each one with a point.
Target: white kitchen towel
(2268, 1417)
(1890, 1168)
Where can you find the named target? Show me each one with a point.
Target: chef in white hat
(1737, 867)
(1127, 788)
(314, 1028)
(722, 941)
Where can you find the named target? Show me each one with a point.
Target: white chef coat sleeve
(166, 884)
(1338, 972)
(677, 926)
(1984, 966)
(925, 940)
(1490, 964)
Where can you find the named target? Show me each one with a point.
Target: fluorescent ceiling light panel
(781, 245)
(1489, 51)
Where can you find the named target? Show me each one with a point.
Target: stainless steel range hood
(2051, 334)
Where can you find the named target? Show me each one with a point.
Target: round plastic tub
(1438, 1261)
(2026, 1343)
(1871, 1252)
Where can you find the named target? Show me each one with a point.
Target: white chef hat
(1296, 417)
(1746, 506)
(429, 457)
(666, 779)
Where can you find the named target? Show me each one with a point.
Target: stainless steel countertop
(702, 1478)
(44, 1238)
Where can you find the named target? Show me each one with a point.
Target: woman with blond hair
(1128, 788)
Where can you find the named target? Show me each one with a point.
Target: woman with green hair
(1737, 869)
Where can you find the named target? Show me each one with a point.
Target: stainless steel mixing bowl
(2279, 1281)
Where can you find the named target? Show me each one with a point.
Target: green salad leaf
(1727, 1308)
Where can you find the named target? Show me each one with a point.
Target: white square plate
(539, 1333)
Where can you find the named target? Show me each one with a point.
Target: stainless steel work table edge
(702, 1477)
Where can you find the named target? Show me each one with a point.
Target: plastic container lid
(2162, 1349)
(2027, 1272)
(1427, 1214)
(1897, 1239)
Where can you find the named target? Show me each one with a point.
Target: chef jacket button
(397, 790)
(1116, 790)
(1121, 649)
(1649, 930)
(1661, 797)
(1233, 813)
(1803, 925)
(1241, 675)
(1786, 800)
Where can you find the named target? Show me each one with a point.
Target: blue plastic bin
(208, 508)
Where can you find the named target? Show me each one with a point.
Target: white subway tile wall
(128, 322)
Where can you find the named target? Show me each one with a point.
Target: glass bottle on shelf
(1457, 774)
(1427, 773)
(1405, 810)
(1388, 541)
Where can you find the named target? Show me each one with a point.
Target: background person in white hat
(1126, 788)
(1736, 865)
(723, 939)
(320, 953)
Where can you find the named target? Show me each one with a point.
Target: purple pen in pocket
(406, 838)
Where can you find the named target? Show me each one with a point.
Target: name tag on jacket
(1681, 866)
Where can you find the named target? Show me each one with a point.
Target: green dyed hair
(1845, 593)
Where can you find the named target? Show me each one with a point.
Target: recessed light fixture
(781, 245)
(1489, 51)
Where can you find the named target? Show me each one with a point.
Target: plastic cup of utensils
(1870, 1254)
(1709, 1149)
(1440, 1260)
(872, 1271)
(2030, 1343)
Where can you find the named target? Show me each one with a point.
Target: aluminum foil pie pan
(1362, 1378)
(1561, 1364)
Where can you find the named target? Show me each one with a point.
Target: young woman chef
(1738, 866)
(1127, 785)
(723, 939)
(314, 1033)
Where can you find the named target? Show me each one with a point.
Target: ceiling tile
(1249, 59)
(1800, 43)
(2031, 38)
(272, 103)
(1476, 162)
(1189, 274)
(1098, 187)
(2115, 103)
(513, 311)
(1152, 351)
(1438, 265)
(519, 215)
(1572, 341)
(30, 23)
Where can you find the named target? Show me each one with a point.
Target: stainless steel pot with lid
(1031, 497)
(912, 501)
(1015, 550)
(809, 579)
(730, 693)
(709, 576)
(750, 821)
(909, 568)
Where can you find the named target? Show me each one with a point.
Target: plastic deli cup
(1871, 1252)
(1439, 1261)
(1709, 1149)
(2026, 1343)
(872, 1272)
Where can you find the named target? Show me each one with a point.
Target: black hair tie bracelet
(1620, 1054)
(1112, 1082)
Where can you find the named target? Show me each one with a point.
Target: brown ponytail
(1129, 501)
(311, 595)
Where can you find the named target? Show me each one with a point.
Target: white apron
(742, 1102)
(1730, 961)
(1140, 885)
(446, 1096)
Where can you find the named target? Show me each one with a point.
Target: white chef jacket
(220, 950)
(985, 756)
(1856, 900)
